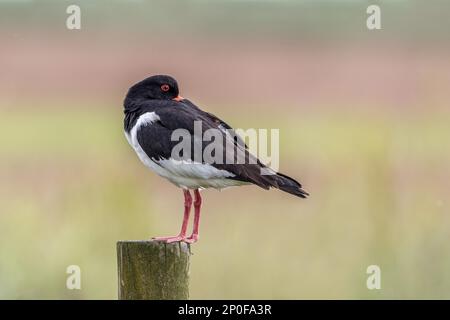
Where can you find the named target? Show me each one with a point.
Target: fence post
(153, 270)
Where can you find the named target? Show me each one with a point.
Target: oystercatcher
(153, 110)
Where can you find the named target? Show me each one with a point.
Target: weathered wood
(153, 270)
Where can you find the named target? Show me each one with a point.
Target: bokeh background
(364, 124)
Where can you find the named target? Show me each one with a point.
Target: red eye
(165, 87)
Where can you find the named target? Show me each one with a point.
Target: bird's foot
(170, 239)
(192, 239)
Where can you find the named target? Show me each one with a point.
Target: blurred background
(364, 125)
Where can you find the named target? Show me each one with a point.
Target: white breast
(184, 174)
(144, 120)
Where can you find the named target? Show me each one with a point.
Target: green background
(364, 125)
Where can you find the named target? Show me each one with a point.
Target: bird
(153, 111)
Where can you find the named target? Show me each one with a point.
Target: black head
(159, 87)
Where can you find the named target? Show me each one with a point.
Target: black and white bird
(153, 111)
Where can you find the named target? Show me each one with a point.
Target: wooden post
(153, 270)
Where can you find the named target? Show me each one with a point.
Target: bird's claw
(192, 239)
(169, 239)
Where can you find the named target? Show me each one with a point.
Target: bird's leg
(197, 206)
(187, 210)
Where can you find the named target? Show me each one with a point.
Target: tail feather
(287, 184)
(253, 173)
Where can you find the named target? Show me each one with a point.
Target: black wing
(219, 122)
(156, 141)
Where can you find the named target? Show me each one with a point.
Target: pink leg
(187, 210)
(197, 206)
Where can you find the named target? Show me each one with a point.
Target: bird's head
(159, 87)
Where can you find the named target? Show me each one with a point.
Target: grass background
(379, 196)
(363, 119)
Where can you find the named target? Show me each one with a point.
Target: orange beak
(178, 98)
